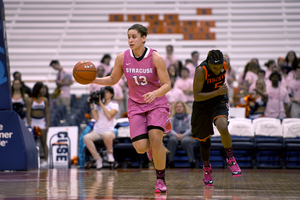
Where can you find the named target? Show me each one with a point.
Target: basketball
(84, 72)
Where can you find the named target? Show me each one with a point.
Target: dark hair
(188, 60)
(104, 57)
(184, 68)
(16, 72)
(111, 90)
(53, 62)
(256, 59)
(140, 29)
(274, 73)
(253, 66)
(267, 64)
(47, 92)
(36, 89)
(246, 69)
(261, 71)
(215, 55)
(21, 89)
(171, 46)
(176, 72)
(194, 52)
(295, 61)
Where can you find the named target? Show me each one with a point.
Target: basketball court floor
(138, 184)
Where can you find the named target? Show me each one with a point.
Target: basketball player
(211, 106)
(148, 108)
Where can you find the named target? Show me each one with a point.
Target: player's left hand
(149, 97)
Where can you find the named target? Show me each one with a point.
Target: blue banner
(5, 93)
(17, 146)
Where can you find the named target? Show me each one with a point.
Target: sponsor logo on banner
(60, 152)
(4, 136)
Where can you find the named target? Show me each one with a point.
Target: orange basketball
(84, 72)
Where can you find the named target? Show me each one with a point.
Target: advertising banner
(62, 134)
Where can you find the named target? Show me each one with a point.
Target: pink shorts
(144, 116)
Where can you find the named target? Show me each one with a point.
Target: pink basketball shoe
(207, 178)
(160, 186)
(234, 167)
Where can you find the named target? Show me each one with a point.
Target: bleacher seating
(217, 153)
(242, 137)
(260, 143)
(181, 159)
(71, 30)
(291, 137)
(251, 150)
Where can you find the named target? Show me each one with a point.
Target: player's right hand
(223, 89)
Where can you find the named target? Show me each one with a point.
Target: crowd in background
(272, 91)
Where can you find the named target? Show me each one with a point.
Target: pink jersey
(268, 73)
(291, 76)
(141, 77)
(168, 61)
(251, 77)
(281, 83)
(294, 88)
(277, 97)
(176, 94)
(191, 68)
(185, 84)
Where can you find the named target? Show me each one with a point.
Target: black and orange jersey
(212, 82)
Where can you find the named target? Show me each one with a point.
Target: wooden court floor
(138, 184)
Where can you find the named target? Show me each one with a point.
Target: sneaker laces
(160, 183)
(233, 165)
(207, 173)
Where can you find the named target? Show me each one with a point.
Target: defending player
(211, 107)
(148, 108)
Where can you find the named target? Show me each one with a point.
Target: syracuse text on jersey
(139, 70)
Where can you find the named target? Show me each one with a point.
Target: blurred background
(74, 30)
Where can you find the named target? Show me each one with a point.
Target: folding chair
(291, 138)
(269, 143)
(242, 137)
(217, 153)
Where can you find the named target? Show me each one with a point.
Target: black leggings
(204, 149)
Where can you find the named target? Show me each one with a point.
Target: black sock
(160, 174)
(229, 152)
